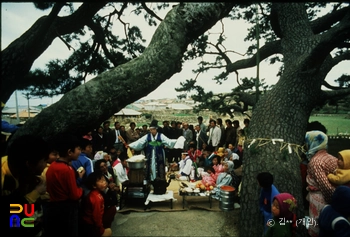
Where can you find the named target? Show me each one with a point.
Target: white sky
(16, 18)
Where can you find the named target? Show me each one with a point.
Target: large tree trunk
(88, 105)
(283, 113)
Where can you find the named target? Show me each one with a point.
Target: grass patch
(334, 124)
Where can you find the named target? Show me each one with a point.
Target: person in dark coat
(334, 218)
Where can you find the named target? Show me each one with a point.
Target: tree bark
(282, 113)
(88, 105)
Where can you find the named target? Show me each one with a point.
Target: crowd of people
(327, 194)
(75, 181)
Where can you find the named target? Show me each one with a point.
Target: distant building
(179, 107)
(136, 107)
(127, 113)
(155, 106)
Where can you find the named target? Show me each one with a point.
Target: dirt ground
(179, 223)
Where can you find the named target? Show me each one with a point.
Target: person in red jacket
(63, 208)
(93, 207)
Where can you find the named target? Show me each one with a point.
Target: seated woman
(210, 176)
(224, 178)
(185, 166)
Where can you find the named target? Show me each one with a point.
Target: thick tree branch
(330, 40)
(327, 95)
(327, 85)
(327, 21)
(100, 37)
(265, 51)
(149, 11)
(114, 89)
(329, 64)
(36, 40)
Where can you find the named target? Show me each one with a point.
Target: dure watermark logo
(15, 220)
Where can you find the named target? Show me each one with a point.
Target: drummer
(185, 166)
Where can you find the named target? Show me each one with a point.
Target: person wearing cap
(185, 166)
(341, 175)
(154, 142)
(284, 218)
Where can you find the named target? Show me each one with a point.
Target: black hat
(154, 124)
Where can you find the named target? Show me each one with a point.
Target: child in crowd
(85, 162)
(334, 218)
(241, 138)
(221, 152)
(341, 175)
(284, 217)
(111, 194)
(209, 176)
(193, 153)
(93, 207)
(267, 193)
(218, 167)
(45, 198)
(224, 178)
(63, 189)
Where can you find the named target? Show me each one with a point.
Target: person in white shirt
(185, 166)
(120, 171)
(214, 134)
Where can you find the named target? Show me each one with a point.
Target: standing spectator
(201, 137)
(174, 133)
(222, 128)
(63, 189)
(107, 130)
(246, 122)
(115, 135)
(166, 128)
(320, 165)
(123, 134)
(201, 124)
(236, 127)
(131, 134)
(144, 130)
(187, 133)
(230, 133)
(214, 134)
(85, 162)
(99, 141)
